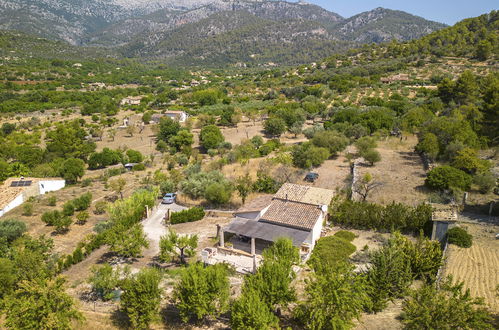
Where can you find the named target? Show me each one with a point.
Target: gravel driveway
(154, 226)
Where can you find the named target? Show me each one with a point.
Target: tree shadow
(120, 319)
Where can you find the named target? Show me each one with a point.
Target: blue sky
(444, 11)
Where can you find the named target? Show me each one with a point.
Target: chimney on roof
(286, 197)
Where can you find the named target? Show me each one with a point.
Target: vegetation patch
(460, 237)
(330, 251)
(189, 215)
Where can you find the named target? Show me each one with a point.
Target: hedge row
(393, 217)
(125, 212)
(189, 215)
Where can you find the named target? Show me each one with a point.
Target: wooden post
(253, 246)
(221, 238)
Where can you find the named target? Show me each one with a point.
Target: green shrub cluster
(460, 237)
(331, 252)
(395, 216)
(346, 235)
(189, 215)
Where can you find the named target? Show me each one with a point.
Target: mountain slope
(381, 25)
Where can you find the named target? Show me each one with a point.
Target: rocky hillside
(199, 31)
(380, 25)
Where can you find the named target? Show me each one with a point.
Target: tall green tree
(41, 304)
(334, 299)
(141, 298)
(72, 170)
(248, 313)
(202, 292)
(446, 307)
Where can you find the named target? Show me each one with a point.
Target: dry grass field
(400, 172)
(478, 266)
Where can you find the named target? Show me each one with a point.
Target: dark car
(311, 176)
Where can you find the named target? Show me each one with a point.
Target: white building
(180, 116)
(295, 211)
(131, 100)
(15, 192)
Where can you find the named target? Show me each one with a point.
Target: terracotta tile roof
(305, 194)
(291, 214)
(256, 204)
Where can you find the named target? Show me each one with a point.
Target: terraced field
(477, 266)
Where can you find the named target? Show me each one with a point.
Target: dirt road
(154, 226)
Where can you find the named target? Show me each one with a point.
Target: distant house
(131, 100)
(180, 116)
(295, 211)
(15, 192)
(395, 78)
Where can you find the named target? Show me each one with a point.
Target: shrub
(189, 215)
(486, 182)
(372, 156)
(447, 307)
(12, 229)
(395, 216)
(447, 177)
(68, 209)
(218, 193)
(307, 155)
(28, 209)
(83, 202)
(138, 167)
(346, 235)
(100, 207)
(202, 291)
(52, 201)
(210, 137)
(330, 251)
(82, 217)
(460, 237)
(50, 217)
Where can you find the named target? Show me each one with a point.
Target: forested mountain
(209, 31)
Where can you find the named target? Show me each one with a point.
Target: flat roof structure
(266, 231)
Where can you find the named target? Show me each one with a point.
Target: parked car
(169, 198)
(311, 176)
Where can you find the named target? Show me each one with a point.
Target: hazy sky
(444, 11)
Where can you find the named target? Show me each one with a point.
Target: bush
(447, 307)
(28, 209)
(486, 182)
(12, 229)
(307, 155)
(447, 177)
(370, 216)
(460, 237)
(189, 215)
(50, 217)
(100, 207)
(52, 201)
(346, 235)
(330, 252)
(210, 137)
(372, 156)
(68, 208)
(138, 167)
(83, 202)
(218, 193)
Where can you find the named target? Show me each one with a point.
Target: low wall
(51, 185)
(13, 204)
